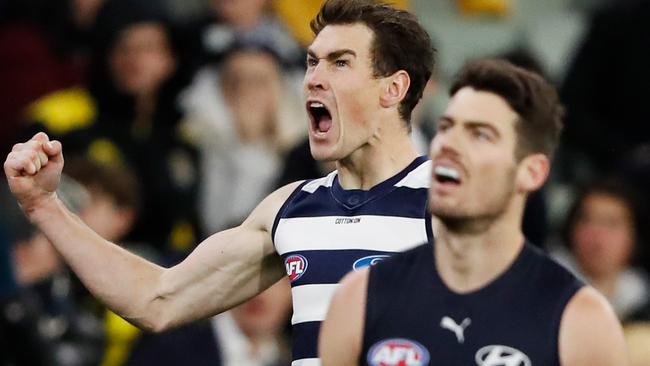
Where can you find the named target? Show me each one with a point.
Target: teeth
(316, 105)
(447, 172)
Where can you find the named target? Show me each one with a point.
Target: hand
(33, 170)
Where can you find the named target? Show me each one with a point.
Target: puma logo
(458, 329)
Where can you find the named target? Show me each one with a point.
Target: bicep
(341, 334)
(225, 270)
(590, 332)
(228, 268)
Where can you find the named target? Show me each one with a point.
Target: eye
(311, 62)
(443, 125)
(342, 63)
(482, 134)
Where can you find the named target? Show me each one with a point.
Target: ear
(532, 172)
(394, 89)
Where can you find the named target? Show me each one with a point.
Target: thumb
(54, 150)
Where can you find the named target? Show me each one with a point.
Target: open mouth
(446, 175)
(320, 116)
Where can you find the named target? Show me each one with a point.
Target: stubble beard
(477, 218)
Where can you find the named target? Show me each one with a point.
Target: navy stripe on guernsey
(338, 261)
(323, 231)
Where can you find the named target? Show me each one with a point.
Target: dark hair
(534, 99)
(611, 187)
(399, 42)
(118, 182)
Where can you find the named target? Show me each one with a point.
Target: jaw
(324, 149)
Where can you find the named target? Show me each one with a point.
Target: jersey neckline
(513, 274)
(353, 198)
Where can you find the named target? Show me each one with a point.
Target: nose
(315, 78)
(447, 141)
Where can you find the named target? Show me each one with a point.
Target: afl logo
(498, 355)
(370, 260)
(296, 266)
(398, 352)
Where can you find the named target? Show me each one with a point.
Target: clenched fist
(33, 170)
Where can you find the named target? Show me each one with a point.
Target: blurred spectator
(603, 235)
(106, 198)
(21, 342)
(244, 117)
(250, 335)
(241, 21)
(130, 117)
(45, 46)
(605, 95)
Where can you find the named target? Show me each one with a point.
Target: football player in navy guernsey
(480, 295)
(366, 70)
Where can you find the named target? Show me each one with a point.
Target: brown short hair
(533, 98)
(399, 42)
(118, 182)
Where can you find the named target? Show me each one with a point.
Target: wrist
(39, 209)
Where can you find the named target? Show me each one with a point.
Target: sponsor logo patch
(498, 355)
(398, 352)
(347, 220)
(370, 260)
(296, 266)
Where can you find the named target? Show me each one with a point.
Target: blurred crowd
(177, 117)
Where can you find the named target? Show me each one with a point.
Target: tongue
(324, 124)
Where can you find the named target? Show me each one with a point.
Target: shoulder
(590, 332)
(265, 213)
(391, 273)
(341, 333)
(419, 174)
(353, 284)
(553, 272)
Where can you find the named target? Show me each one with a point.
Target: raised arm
(590, 333)
(223, 271)
(341, 335)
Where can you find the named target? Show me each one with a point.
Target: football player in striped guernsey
(366, 70)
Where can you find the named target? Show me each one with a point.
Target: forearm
(126, 283)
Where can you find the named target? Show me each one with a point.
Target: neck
(145, 105)
(472, 254)
(387, 153)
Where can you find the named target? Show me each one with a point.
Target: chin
(448, 212)
(323, 153)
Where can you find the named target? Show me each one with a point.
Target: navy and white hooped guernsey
(322, 232)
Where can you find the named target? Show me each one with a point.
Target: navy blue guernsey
(323, 232)
(414, 319)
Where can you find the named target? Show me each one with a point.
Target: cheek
(355, 99)
(621, 243)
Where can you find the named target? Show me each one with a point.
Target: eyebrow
(334, 54)
(473, 124)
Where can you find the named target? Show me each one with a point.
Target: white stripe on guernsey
(325, 181)
(419, 177)
(388, 233)
(307, 362)
(310, 302)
